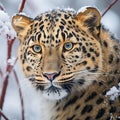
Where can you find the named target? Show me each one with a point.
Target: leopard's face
(59, 52)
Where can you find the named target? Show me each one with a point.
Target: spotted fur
(72, 60)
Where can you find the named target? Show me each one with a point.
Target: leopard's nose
(51, 76)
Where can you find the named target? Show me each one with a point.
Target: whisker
(39, 87)
(97, 73)
(67, 86)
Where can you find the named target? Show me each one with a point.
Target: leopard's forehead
(54, 27)
(56, 14)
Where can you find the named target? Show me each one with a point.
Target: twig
(4, 88)
(3, 115)
(1, 73)
(5, 83)
(8, 70)
(20, 93)
(1, 7)
(22, 6)
(9, 45)
(111, 4)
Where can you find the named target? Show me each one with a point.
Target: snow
(69, 9)
(83, 9)
(113, 92)
(4, 16)
(5, 25)
(11, 61)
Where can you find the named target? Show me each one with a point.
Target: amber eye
(36, 48)
(68, 46)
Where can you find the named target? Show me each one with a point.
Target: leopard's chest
(47, 108)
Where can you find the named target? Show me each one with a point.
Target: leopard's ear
(89, 17)
(20, 24)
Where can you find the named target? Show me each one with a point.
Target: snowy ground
(12, 105)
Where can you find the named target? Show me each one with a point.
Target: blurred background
(35, 7)
(12, 107)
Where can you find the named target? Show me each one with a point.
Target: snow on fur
(114, 93)
(83, 9)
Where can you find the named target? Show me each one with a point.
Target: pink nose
(51, 76)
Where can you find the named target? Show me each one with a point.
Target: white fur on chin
(55, 95)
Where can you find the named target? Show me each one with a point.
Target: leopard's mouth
(53, 90)
(54, 93)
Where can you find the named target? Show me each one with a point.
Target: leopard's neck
(111, 58)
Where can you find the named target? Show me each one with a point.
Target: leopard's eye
(36, 48)
(68, 46)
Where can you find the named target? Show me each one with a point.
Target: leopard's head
(60, 50)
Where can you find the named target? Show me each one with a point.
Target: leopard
(72, 60)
